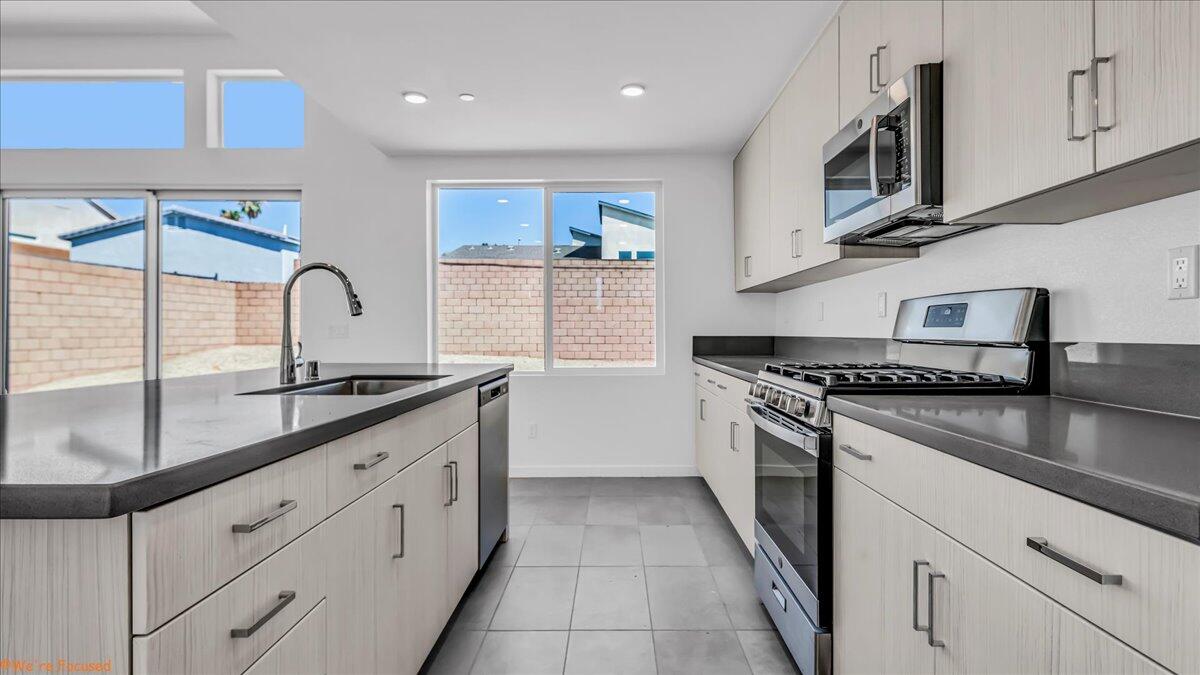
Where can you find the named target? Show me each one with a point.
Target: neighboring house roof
(588, 238)
(521, 252)
(628, 215)
(189, 219)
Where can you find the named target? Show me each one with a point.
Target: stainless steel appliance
(493, 466)
(982, 342)
(883, 170)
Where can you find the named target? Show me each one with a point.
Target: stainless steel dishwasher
(493, 466)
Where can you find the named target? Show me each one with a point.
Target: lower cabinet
(908, 598)
(725, 458)
(300, 652)
(462, 453)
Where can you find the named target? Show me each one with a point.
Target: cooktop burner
(833, 375)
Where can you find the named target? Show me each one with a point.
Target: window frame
(152, 309)
(214, 101)
(98, 75)
(549, 188)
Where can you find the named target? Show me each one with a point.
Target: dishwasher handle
(490, 391)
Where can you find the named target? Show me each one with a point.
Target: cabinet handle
(873, 58)
(447, 485)
(1071, 75)
(1095, 79)
(917, 565)
(797, 244)
(453, 481)
(779, 597)
(284, 506)
(702, 402)
(710, 381)
(1042, 546)
(401, 553)
(733, 436)
(879, 81)
(849, 450)
(285, 599)
(746, 266)
(929, 632)
(363, 466)
(721, 386)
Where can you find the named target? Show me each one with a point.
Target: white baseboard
(601, 470)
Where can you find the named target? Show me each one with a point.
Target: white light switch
(339, 331)
(1182, 267)
(881, 304)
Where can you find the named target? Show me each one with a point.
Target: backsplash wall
(1107, 277)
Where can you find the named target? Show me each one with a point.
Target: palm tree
(252, 209)
(231, 214)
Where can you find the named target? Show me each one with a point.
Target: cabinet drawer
(185, 549)
(300, 652)
(358, 463)
(201, 640)
(731, 389)
(1156, 607)
(410, 436)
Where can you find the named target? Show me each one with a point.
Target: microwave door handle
(873, 157)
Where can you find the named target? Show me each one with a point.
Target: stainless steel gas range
(982, 342)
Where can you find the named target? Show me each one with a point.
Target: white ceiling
(104, 17)
(546, 74)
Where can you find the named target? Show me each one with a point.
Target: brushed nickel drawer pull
(284, 506)
(929, 632)
(449, 485)
(379, 457)
(401, 553)
(917, 565)
(849, 450)
(779, 597)
(721, 386)
(453, 481)
(285, 599)
(1042, 546)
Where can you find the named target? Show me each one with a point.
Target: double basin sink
(351, 385)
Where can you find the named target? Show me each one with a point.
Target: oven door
(793, 500)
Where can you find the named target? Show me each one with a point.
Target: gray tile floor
(614, 576)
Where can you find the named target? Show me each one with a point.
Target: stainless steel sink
(353, 385)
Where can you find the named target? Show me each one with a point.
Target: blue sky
(143, 114)
(275, 215)
(476, 216)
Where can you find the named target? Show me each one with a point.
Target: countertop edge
(1151, 508)
(734, 372)
(81, 502)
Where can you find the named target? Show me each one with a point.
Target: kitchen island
(192, 525)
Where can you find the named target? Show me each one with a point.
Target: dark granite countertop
(1138, 464)
(744, 367)
(99, 452)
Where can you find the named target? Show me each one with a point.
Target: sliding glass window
(75, 285)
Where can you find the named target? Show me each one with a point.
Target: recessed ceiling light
(414, 97)
(466, 97)
(524, 224)
(622, 201)
(622, 243)
(633, 89)
(501, 201)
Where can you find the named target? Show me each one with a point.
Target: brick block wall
(69, 319)
(603, 309)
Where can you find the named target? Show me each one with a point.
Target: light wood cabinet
(350, 586)
(879, 42)
(859, 41)
(301, 651)
(1148, 92)
(462, 453)
(911, 33)
(1006, 93)
(411, 516)
(725, 452)
(751, 209)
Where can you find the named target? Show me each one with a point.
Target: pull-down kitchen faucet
(287, 360)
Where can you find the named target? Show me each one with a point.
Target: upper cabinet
(751, 208)
(879, 42)
(1147, 78)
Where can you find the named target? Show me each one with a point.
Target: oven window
(848, 181)
(787, 503)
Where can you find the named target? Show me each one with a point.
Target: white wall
(367, 213)
(1107, 277)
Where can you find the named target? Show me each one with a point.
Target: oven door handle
(805, 441)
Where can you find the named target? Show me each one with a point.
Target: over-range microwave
(883, 170)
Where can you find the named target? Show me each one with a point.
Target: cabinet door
(411, 566)
(909, 552)
(859, 37)
(751, 208)
(800, 125)
(739, 469)
(704, 435)
(350, 586)
(1149, 93)
(858, 581)
(912, 34)
(1005, 93)
(463, 557)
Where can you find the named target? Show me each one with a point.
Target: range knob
(799, 406)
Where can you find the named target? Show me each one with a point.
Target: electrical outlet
(881, 304)
(533, 431)
(1182, 263)
(339, 331)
